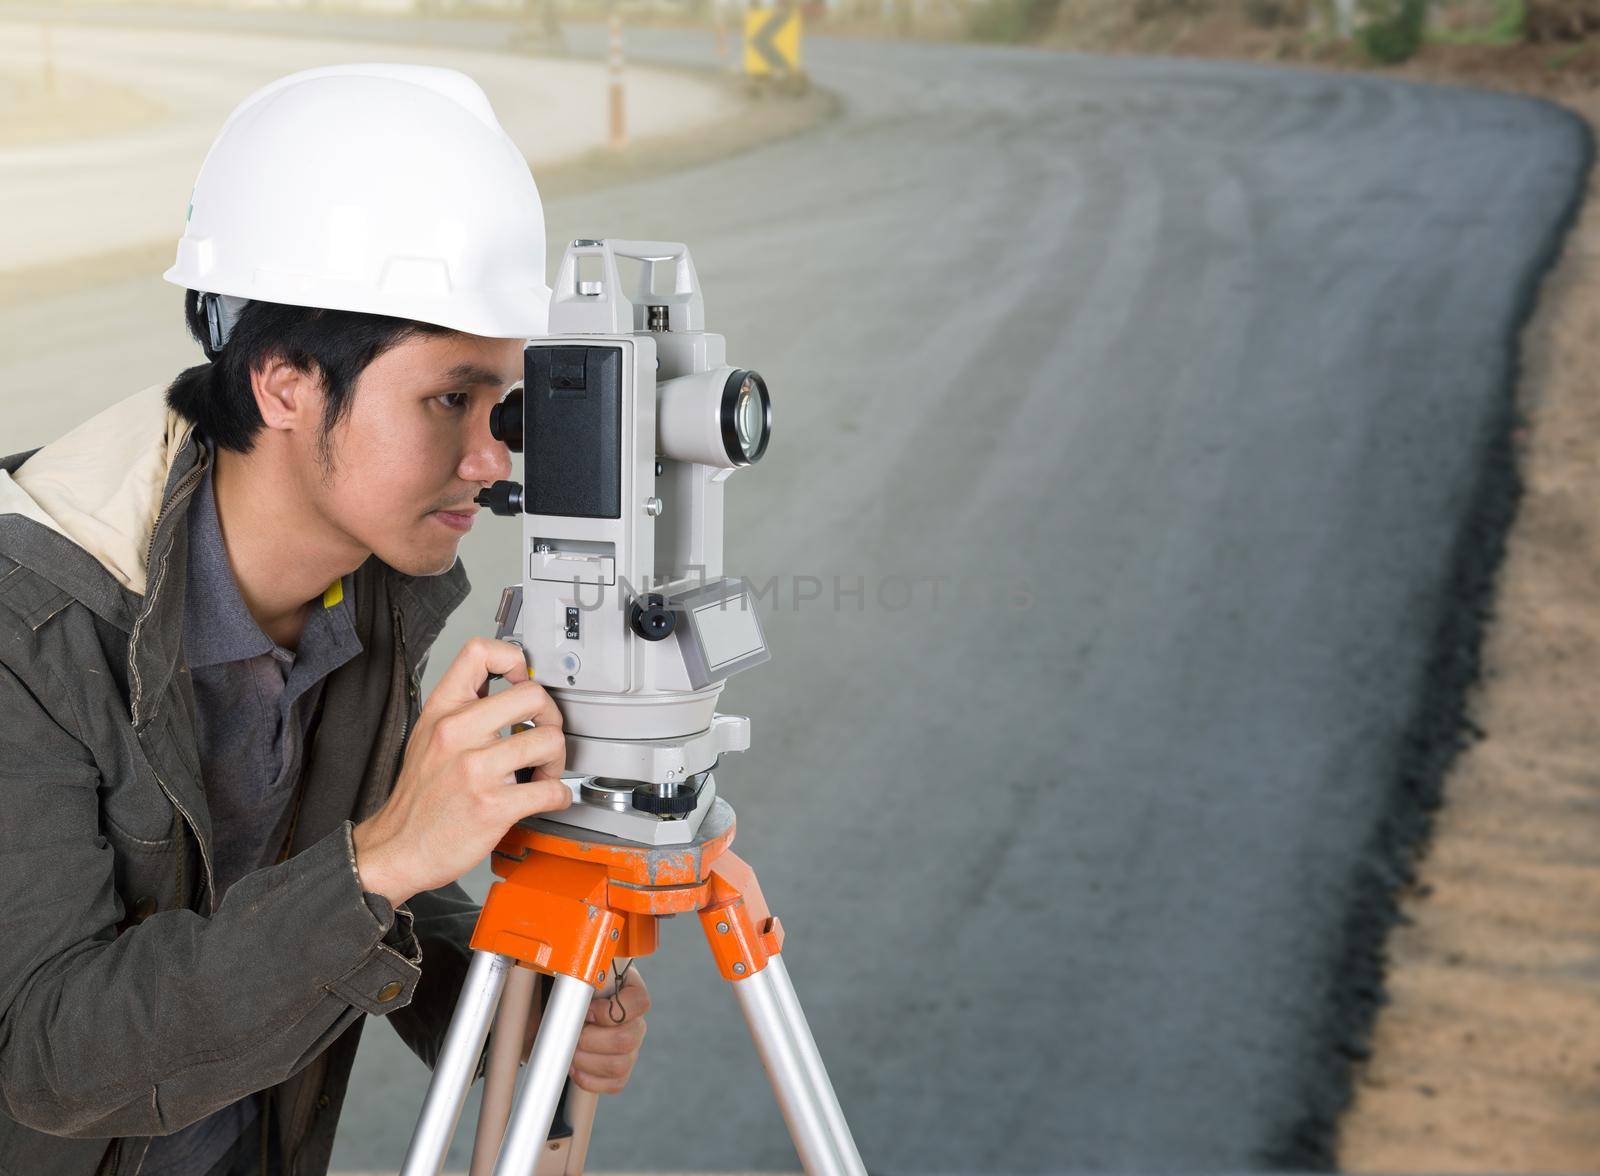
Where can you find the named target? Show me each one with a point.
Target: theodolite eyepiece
(505, 420)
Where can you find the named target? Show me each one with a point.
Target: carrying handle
(601, 307)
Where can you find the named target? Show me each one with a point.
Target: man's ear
(285, 395)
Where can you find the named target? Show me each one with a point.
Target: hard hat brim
(520, 314)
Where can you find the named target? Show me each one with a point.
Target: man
(228, 829)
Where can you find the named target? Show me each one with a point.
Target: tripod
(570, 902)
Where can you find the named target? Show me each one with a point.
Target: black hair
(336, 345)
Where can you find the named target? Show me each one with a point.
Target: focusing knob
(505, 420)
(504, 498)
(651, 618)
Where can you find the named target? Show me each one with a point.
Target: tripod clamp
(571, 901)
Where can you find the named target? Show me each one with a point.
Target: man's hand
(457, 791)
(607, 1049)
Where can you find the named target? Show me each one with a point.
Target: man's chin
(421, 563)
(439, 569)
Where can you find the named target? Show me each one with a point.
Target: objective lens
(750, 419)
(746, 417)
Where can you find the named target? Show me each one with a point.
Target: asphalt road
(1145, 401)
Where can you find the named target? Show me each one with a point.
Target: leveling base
(570, 903)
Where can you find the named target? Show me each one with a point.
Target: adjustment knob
(679, 804)
(651, 618)
(503, 498)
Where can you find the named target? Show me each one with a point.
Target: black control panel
(572, 421)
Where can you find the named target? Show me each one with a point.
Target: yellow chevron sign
(772, 42)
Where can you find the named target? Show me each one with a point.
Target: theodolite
(629, 422)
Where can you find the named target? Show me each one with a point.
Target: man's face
(416, 446)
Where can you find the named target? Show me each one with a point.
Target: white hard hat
(388, 189)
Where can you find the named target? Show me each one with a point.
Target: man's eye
(460, 403)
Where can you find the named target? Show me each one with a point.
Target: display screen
(728, 631)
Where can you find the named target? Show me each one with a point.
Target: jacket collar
(98, 512)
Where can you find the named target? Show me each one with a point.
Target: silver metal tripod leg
(816, 1072)
(457, 1064)
(546, 1074)
(799, 1079)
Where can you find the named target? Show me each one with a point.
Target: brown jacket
(131, 1003)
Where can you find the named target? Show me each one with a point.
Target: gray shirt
(255, 702)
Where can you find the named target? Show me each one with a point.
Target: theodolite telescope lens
(719, 416)
(746, 417)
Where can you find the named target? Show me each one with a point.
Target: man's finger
(598, 1085)
(632, 1003)
(464, 679)
(540, 747)
(602, 1065)
(634, 997)
(527, 701)
(529, 800)
(611, 1039)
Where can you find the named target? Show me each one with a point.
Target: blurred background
(1176, 543)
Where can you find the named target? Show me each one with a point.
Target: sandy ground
(1487, 1057)
(48, 106)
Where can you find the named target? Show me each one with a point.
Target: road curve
(1175, 380)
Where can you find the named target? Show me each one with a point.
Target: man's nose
(488, 460)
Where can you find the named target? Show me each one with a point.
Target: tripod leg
(816, 1072)
(805, 1096)
(505, 1057)
(547, 1074)
(581, 1107)
(458, 1062)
